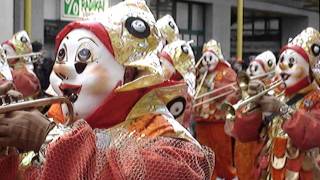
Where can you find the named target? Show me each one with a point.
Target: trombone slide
(201, 84)
(38, 103)
(231, 109)
(35, 54)
(214, 98)
(216, 90)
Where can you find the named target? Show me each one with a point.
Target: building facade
(268, 24)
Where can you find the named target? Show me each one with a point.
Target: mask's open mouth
(70, 91)
(285, 76)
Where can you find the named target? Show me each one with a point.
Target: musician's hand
(15, 94)
(270, 104)
(25, 130)
(5, 87)
(209, 84)
(255, 87)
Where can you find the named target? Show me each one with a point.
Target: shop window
(260, 33)
(189, 16)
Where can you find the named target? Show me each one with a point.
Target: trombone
(231, 109)
(34, 57)
(242, 84)
(23, 105)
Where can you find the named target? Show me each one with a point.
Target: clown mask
(263, 63)
(292, 68)
(168, 29)
(179, 56)
(211, 55)
(178, 62)
(19, 44)
(209, 60)
(85, 71)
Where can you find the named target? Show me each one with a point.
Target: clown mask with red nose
(297, 61)
(85, 71)
(101, 63)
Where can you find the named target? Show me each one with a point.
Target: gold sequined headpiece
(214, 47)
(168, 28)
(134, 39)
(20, 42)
(180, 54)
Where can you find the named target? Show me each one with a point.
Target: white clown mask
(263, 63)
(85, 71)
(292, 68)
(211, 55)
(210, 60)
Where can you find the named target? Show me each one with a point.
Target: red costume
(210, 119)
(247, 152)
(24, 79)
(138, 137)
(290, 140)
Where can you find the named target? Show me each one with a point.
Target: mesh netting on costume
(118, 154)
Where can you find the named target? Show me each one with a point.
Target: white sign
(78, 9)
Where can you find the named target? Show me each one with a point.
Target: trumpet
(34, 57)
(23, 105)
(231, 109)
(242, 84)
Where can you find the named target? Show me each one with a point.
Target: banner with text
(77, 9)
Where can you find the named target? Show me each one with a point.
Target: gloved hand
(270, 104)
(255, 87)
(25, 130)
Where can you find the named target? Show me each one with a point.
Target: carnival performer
(6, 83)
(177, 60)
(108, 68)
(168, 28)
(22, 68)
(208, 116)
(263, 63)
(263, 67)
(291, 133)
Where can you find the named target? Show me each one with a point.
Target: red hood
(94, 27)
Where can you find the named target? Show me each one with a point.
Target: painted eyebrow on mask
(89, 39)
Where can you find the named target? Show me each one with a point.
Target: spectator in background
(236, 65)
(42, 67)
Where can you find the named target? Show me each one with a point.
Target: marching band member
(246, 153)
(116, 85)
(22, 68)
(291, 134)
(168, 28)
(264, 63)
(209, 117)
(7, 86)
(178, 64)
